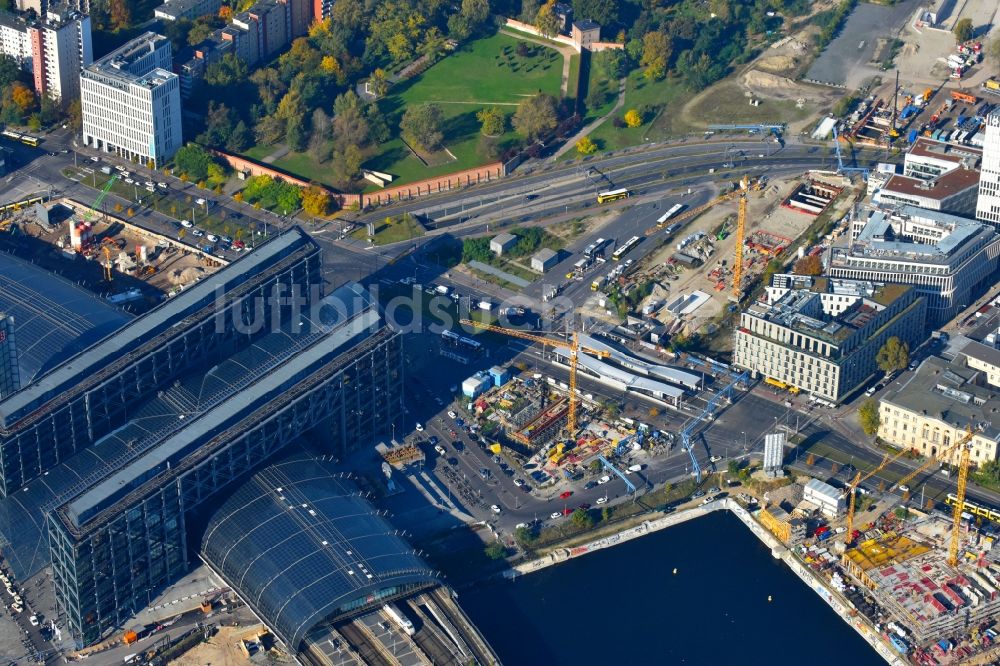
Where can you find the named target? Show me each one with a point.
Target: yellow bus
(612, 195)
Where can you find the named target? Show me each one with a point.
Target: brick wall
(432, 185)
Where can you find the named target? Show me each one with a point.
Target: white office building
(948, 259)
(132, 103)
(54, 49)
(988, 204)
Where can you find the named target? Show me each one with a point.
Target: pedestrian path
(571, 142)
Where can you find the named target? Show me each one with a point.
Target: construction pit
(80, 244)
(692, 272)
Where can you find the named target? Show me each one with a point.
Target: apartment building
(53, 48)
(948, 259)
(933, 409)
(821, 334)
(131, 101)
(988, 205)
(175, 10)
(42, 6)
(259, 33)
(936, 176)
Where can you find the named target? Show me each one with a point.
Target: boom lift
(574, 348)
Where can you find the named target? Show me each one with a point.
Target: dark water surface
(624, 605)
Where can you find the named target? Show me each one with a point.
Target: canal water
(624, 605)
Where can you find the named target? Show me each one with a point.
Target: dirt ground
(764, 213)
(221, 650)
(171, 268)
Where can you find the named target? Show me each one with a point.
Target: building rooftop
(54, 319)
(176, 8)
(945, 391)
(118, 64)
(801, 308)
(101, 352)
(884, 235)
(586, 25)
(503, 238)
(300, 544)
(981, 352)
(545, 254)
(937, 189)
(947, 152)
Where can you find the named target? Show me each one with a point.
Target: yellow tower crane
(963, 477)
(852, 488)
(574, 348)
(741, 223)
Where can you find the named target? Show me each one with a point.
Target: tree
(654, 412)
(868, 417)
(121, 15)
(23, 96)
(633, 118)
(656, 51)
(586, 146)
(493, 121)
(227, 71)
(200, 31)
(894, 355)
(929, 505)
(963, 30)
(994, 50)
(546, 20)
(811, 459)
(378, 84)
(495, 551)
(809, 265)
(582, 519)
(240, 139)
(476, 12)
(834, 468)
(733, 467)
(604, 12)
(529, 10)
(524, 536)
(10, 71)
(421, 125)
(536, 116)
(315, 201)
(605, 514)
(193, 160)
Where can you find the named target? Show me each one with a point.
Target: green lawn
(391, 231)
(479, 74)
(482, 73)
(663, 100)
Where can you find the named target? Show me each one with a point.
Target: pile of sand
(186, 275)
(765, 83)
(777, 64)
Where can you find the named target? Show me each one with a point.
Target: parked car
(602, 500)
(440, 449)
(452, 414)
(554, 515)
(495, 508)
(420, 427)
(715, 459)
(604, 479)
(565, 494)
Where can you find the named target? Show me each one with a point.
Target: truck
(443, 289)
(598, 283)
(486, 306)
(397, 616)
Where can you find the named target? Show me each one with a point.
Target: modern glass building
(123, 536)
(68, 407)
(201, 391)
(300, 545)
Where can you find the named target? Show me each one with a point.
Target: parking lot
(846, 61)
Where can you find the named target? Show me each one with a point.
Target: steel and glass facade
(120, 540)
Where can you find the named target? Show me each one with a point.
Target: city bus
(32, 141)
(626, 247)
(12, 135)
(596, 249)
(612, 195)
(669, 214)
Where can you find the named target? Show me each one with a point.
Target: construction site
(128, 265)
(688, 283)
(927, 577)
